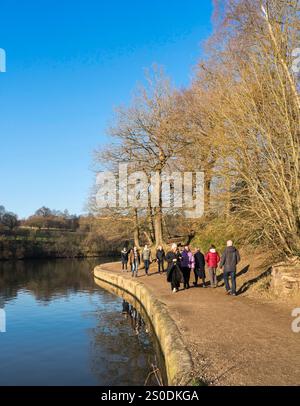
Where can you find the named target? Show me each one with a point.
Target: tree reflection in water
(72, 331)
(137, 323)
(46, 279)
(124, 348)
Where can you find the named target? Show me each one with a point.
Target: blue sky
(69, 63)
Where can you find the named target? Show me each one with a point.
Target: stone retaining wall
(178, 361)
(286, 278)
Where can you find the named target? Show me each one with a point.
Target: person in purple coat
(187, 265)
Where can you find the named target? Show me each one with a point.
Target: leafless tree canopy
(238, 121)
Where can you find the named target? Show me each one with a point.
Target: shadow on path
(251, 282)
(242, 272)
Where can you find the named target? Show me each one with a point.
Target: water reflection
(120, 344)
(157, 374)
(46, 279)
(137, 322)
(64, 330)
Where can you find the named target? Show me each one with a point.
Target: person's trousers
(147, 265)
(175, 285)
(124, 266)
(186, 276)
(213, 276)
(175, 279)
(134, 269)
(160, 263)
(232, 276)
(197, 273)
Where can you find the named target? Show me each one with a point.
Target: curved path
(232, 340)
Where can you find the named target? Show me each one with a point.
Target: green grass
(217, 232)
(197, 382)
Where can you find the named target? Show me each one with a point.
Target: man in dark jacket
(174, 274)
(199, 267)
(147, 258)
(124, 258)
(184, 266)
(229, 261)
(160, 256)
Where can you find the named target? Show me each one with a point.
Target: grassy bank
(217, 231)
(22, 244)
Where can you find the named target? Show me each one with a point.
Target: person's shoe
(195, 284)
(175, 290)
(228, 292)
(233, 294)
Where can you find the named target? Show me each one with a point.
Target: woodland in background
(54, 234)
(238, 122)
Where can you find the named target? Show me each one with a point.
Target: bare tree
(148, 136)
(256, 113)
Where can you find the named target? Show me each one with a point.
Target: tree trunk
(166, 228)
(228, 196)
(158, 227)
(149, 238)
(207, 187)
(151, 220)
(158, 215)
(136, 231)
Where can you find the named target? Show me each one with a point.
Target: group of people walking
(183, 262)
(134, 258)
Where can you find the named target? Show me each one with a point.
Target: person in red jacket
(212, 259)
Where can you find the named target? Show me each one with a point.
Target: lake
(61, 329)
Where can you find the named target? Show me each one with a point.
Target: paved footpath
(232, 340)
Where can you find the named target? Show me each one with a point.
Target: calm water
(61, 329)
